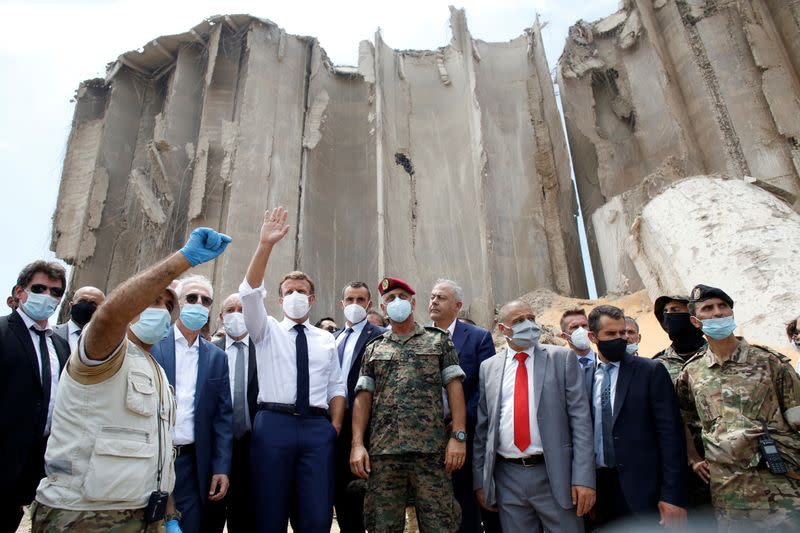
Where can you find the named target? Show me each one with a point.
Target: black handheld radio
(769, 452)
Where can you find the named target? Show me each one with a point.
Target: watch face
(460, 436)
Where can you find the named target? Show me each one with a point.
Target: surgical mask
(580, 338)
(194, 316)
(152, 326)
(525, 334)
(398, 310)
(234, 324)
(613, 350)
(39, 306)
(632, 348)
(354, 313)
(719, 328)
(684, 336)
(295, 305)
(82, 312)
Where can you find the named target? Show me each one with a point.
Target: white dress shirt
(505, 444)
(186, 359)
(277, 363)
(55, 366)
(73, 334)
(352, 340)
(597, 390)
(232, 352)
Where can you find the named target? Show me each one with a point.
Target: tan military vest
(103, 448)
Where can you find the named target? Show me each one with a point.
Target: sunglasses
(55, 292)
(194, 297)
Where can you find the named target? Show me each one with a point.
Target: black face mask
(613, 350)
(82, 312)
(684, 336)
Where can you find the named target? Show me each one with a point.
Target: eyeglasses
(192, 298)
(330, 328)
(55, 292)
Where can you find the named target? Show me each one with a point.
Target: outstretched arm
(273, 230)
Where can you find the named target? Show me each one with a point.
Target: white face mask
(354, 313)
(580, 339)
(234, 324)
(295, 305)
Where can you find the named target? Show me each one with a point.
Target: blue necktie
(301, 348)
(609, 455)
(239, 415)
(583, 361)
(343, 344)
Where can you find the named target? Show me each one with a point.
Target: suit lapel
(202, 370)
(16, 323)
(459, 335)
(626, 371)
(494, 388)
(540, 362)
(168, 356)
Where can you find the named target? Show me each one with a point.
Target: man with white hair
(198, 371)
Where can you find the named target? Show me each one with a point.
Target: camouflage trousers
(394, 477)
(46, 519)
(775, 502)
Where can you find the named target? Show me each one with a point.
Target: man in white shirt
(84, 303)
(300, 387)
(351, 341)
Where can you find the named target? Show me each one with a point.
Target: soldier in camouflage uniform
(401, 382)
(731, 388)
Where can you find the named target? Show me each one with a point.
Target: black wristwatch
(460, 436)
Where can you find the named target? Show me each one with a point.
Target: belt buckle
(525, 462)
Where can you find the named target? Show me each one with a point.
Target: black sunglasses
(38, 288)
(193, 297)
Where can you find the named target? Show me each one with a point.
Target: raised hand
(274, 227)
(204, 244)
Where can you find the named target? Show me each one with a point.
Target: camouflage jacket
(406, 376)
(674, 362)
(729, 401)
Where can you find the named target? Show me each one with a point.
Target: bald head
(88, 294)
(514, 307)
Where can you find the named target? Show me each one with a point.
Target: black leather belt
(531, 460)
(183, 449)
(291, 409)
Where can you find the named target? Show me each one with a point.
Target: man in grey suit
(533, 451)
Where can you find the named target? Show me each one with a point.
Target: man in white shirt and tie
(301, 398)
(84, 303)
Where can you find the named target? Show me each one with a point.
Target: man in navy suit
(639, 442)
(474, 345)
(198, 371)
(350, 343)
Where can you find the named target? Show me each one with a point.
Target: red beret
(388, 284)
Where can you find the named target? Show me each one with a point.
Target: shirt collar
(288, 323)
(452, 328)
(357, 328)
(31, 322)
(180, 338)
(229, 341)
(739, 355)
(72, 327)
(511, 353)
(615, 364)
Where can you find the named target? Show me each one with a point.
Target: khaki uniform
(407, 435)
(729, 401)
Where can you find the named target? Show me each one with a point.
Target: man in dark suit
(638, 434)
(350, 343)
(237, 506)
(31, 360)
(198, 371)
(474, 345)
(82, 306)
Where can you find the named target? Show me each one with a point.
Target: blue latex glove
(204, 244)
(173, 527)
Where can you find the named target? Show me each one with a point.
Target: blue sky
(48, 48)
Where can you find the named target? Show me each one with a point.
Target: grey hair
(194, 279)
(635, 323)
(458, 292)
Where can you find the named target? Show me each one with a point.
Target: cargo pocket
(141, 396)
(122, 466)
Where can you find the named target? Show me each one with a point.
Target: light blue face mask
(398, 309)
(194, 316)
(719, 328)
(152, 326)
(39, 306)
(525, 334)
(632, 348)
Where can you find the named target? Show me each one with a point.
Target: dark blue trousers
(187, 493)
(292, 460)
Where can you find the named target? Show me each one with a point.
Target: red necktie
(522, 422)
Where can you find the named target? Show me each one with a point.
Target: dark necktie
(583, 361)
(343, 344)
(301, 348)
(239, 415)
(609, 455)
(44, 358)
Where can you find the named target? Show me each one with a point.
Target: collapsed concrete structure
(421, 164)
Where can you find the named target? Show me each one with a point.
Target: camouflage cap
(662, 301)
(704, 292)
(388, 284)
